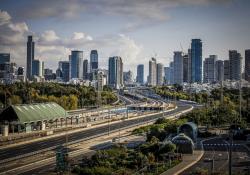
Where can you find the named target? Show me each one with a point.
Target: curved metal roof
(191, 124)
(182, 136)
(28, 113)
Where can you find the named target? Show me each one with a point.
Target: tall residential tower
(196, 61)
(140, 74)
(152, 72)
(30, 57)
(115, 72)
(76, 64)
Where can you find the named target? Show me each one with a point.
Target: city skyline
(166, 29)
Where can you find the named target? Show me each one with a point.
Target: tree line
(221, 106)
(69, 96)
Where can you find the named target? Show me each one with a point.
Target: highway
(13, 152)
(218, 150)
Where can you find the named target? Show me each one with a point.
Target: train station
(32, 117)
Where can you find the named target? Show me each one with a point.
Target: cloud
(140, 8)
(110, 45)
(139, 13)
(51, 48)
(4, 17)
(12, 37)
(48, 36)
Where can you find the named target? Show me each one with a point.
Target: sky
(136, 30)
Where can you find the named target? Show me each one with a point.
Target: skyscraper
(159, 76)
(4, 58)
(247, 65)
(37, 68)
(209, 71)
(219, 71)
(178, 68)
(85, 70)
(186, 69)
(64, 67)
(226, 70)
(171, 66)
(140, 74)
(152, 72)
(76, 65)
(196, 59)
(30, 57)
(115, 78)
(93, 60)
(166, 75)
(234, 65)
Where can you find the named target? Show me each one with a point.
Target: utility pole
(240, 93)
(230, 153)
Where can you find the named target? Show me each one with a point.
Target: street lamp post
(109, 122)
(230, 153)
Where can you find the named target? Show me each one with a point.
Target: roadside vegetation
(216, 111)
(68, 96)
(148, 158)
(160, 129)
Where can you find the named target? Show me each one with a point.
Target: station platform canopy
(28, 113)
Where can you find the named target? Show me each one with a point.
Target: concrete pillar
(19, 128)
(12, 128)
(5, 130)
(61, 122)
(43, 126)
(27, 127)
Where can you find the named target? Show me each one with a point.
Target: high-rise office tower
(226, 70)
(167, 75)
(85, 70)
(189, 66)
(59, 75)
(152, 72)
(37, 68)
(159, 74)
(178, 68)
(64, 67)
(93, 60)
(4, 58)
(196, 60)
(247, 65)
(30, 57)
(209, 71)
(234, 65)
(115, 78)
(219, 71)
(140, 74)
(186, 65)
(171, 66)
(76, 68)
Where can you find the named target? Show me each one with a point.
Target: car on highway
(207, 159)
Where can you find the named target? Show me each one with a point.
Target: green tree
(15, 99)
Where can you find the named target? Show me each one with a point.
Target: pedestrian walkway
(188, 161)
